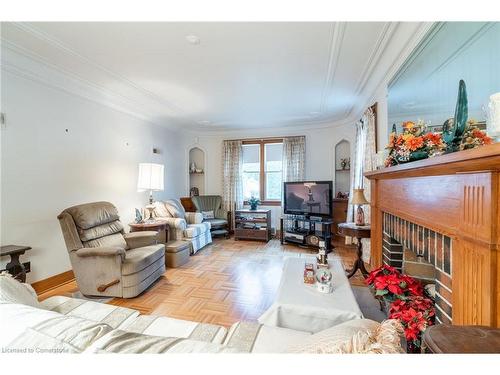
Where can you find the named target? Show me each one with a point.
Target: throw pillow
(174, 207)
(355, 336)
(208, 215)
(160, 210)
(13, 291)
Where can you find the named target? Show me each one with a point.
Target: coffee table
(302, 307)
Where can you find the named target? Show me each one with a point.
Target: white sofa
(186, 226)
(70, 325)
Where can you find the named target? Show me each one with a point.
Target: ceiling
(239, 75)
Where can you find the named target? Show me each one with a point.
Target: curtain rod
(263, 138)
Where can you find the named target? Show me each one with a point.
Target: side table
(448, 339)
(358, 232)
(15, 267)
(158, 226)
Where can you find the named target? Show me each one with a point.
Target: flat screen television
(309, 198)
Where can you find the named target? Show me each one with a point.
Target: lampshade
(150, 177)
(358, 197)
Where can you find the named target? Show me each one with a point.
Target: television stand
(306, 232)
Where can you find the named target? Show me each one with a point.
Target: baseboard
(52, 282)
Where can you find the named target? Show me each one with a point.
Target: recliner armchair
(106, 260)
(220, 223)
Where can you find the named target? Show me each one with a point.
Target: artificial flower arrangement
(474, 137)
(406, 300)
(458, 134)
(413, 144)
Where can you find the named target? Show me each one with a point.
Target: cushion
(194, 230)
(208, 214)
(171, 327)
(114, 316)
(100, 230)
(60, 334)
(355, 336)
(175, 208)
(123, 342)
(93, 214)
(13, 291)
(214, 223)
(138, 259)
(251, 337)
(24, 320)
(177, 246)
(160, 210)
(113, 240)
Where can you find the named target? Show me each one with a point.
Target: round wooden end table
(358, 232)
(158, 226)
(450, 339)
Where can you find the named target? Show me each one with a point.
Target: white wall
(46, 169)
(320, 153)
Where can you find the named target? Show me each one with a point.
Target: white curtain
(294, 155)
(364, 161)
(232, 160)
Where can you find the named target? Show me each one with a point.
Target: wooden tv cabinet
(252, 225)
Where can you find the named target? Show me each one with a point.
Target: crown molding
(336, 40)
(25, 64)
(53, 42)
(378, 50)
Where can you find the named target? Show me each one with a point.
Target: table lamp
(150, 178)
(358, 199)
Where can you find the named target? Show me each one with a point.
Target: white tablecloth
(301, 307)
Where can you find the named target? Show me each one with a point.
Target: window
(262, 170)
(251, 171)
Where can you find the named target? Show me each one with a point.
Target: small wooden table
(158, 226)
(15, 267)
(359, 232)
(448, 339)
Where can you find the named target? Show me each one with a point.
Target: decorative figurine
(309, 273)
(194, 192)
(192, 168)
(324, 280)
(322, 259)
(453, 131)
(138, 216)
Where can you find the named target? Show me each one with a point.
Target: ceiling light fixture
(204, 122)
(193, 39)
(314, 114)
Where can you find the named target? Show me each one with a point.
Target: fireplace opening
(416, 266)
(423, 254)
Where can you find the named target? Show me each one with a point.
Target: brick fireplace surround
(445, 209)
(433, 247)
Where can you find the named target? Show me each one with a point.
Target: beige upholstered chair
(106, 260)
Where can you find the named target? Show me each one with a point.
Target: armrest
(140, 239)
(174, 222)
(194, 217)
(104, 251)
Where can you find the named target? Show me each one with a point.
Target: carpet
(368, 304)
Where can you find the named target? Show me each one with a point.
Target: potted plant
(415, 313)
(253, 202)
(402, 298)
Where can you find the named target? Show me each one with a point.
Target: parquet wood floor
(223, 283)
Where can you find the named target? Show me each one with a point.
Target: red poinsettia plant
(415, 313)
(390, 284)
(407, 302)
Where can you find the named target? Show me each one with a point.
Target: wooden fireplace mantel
(457, 195)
